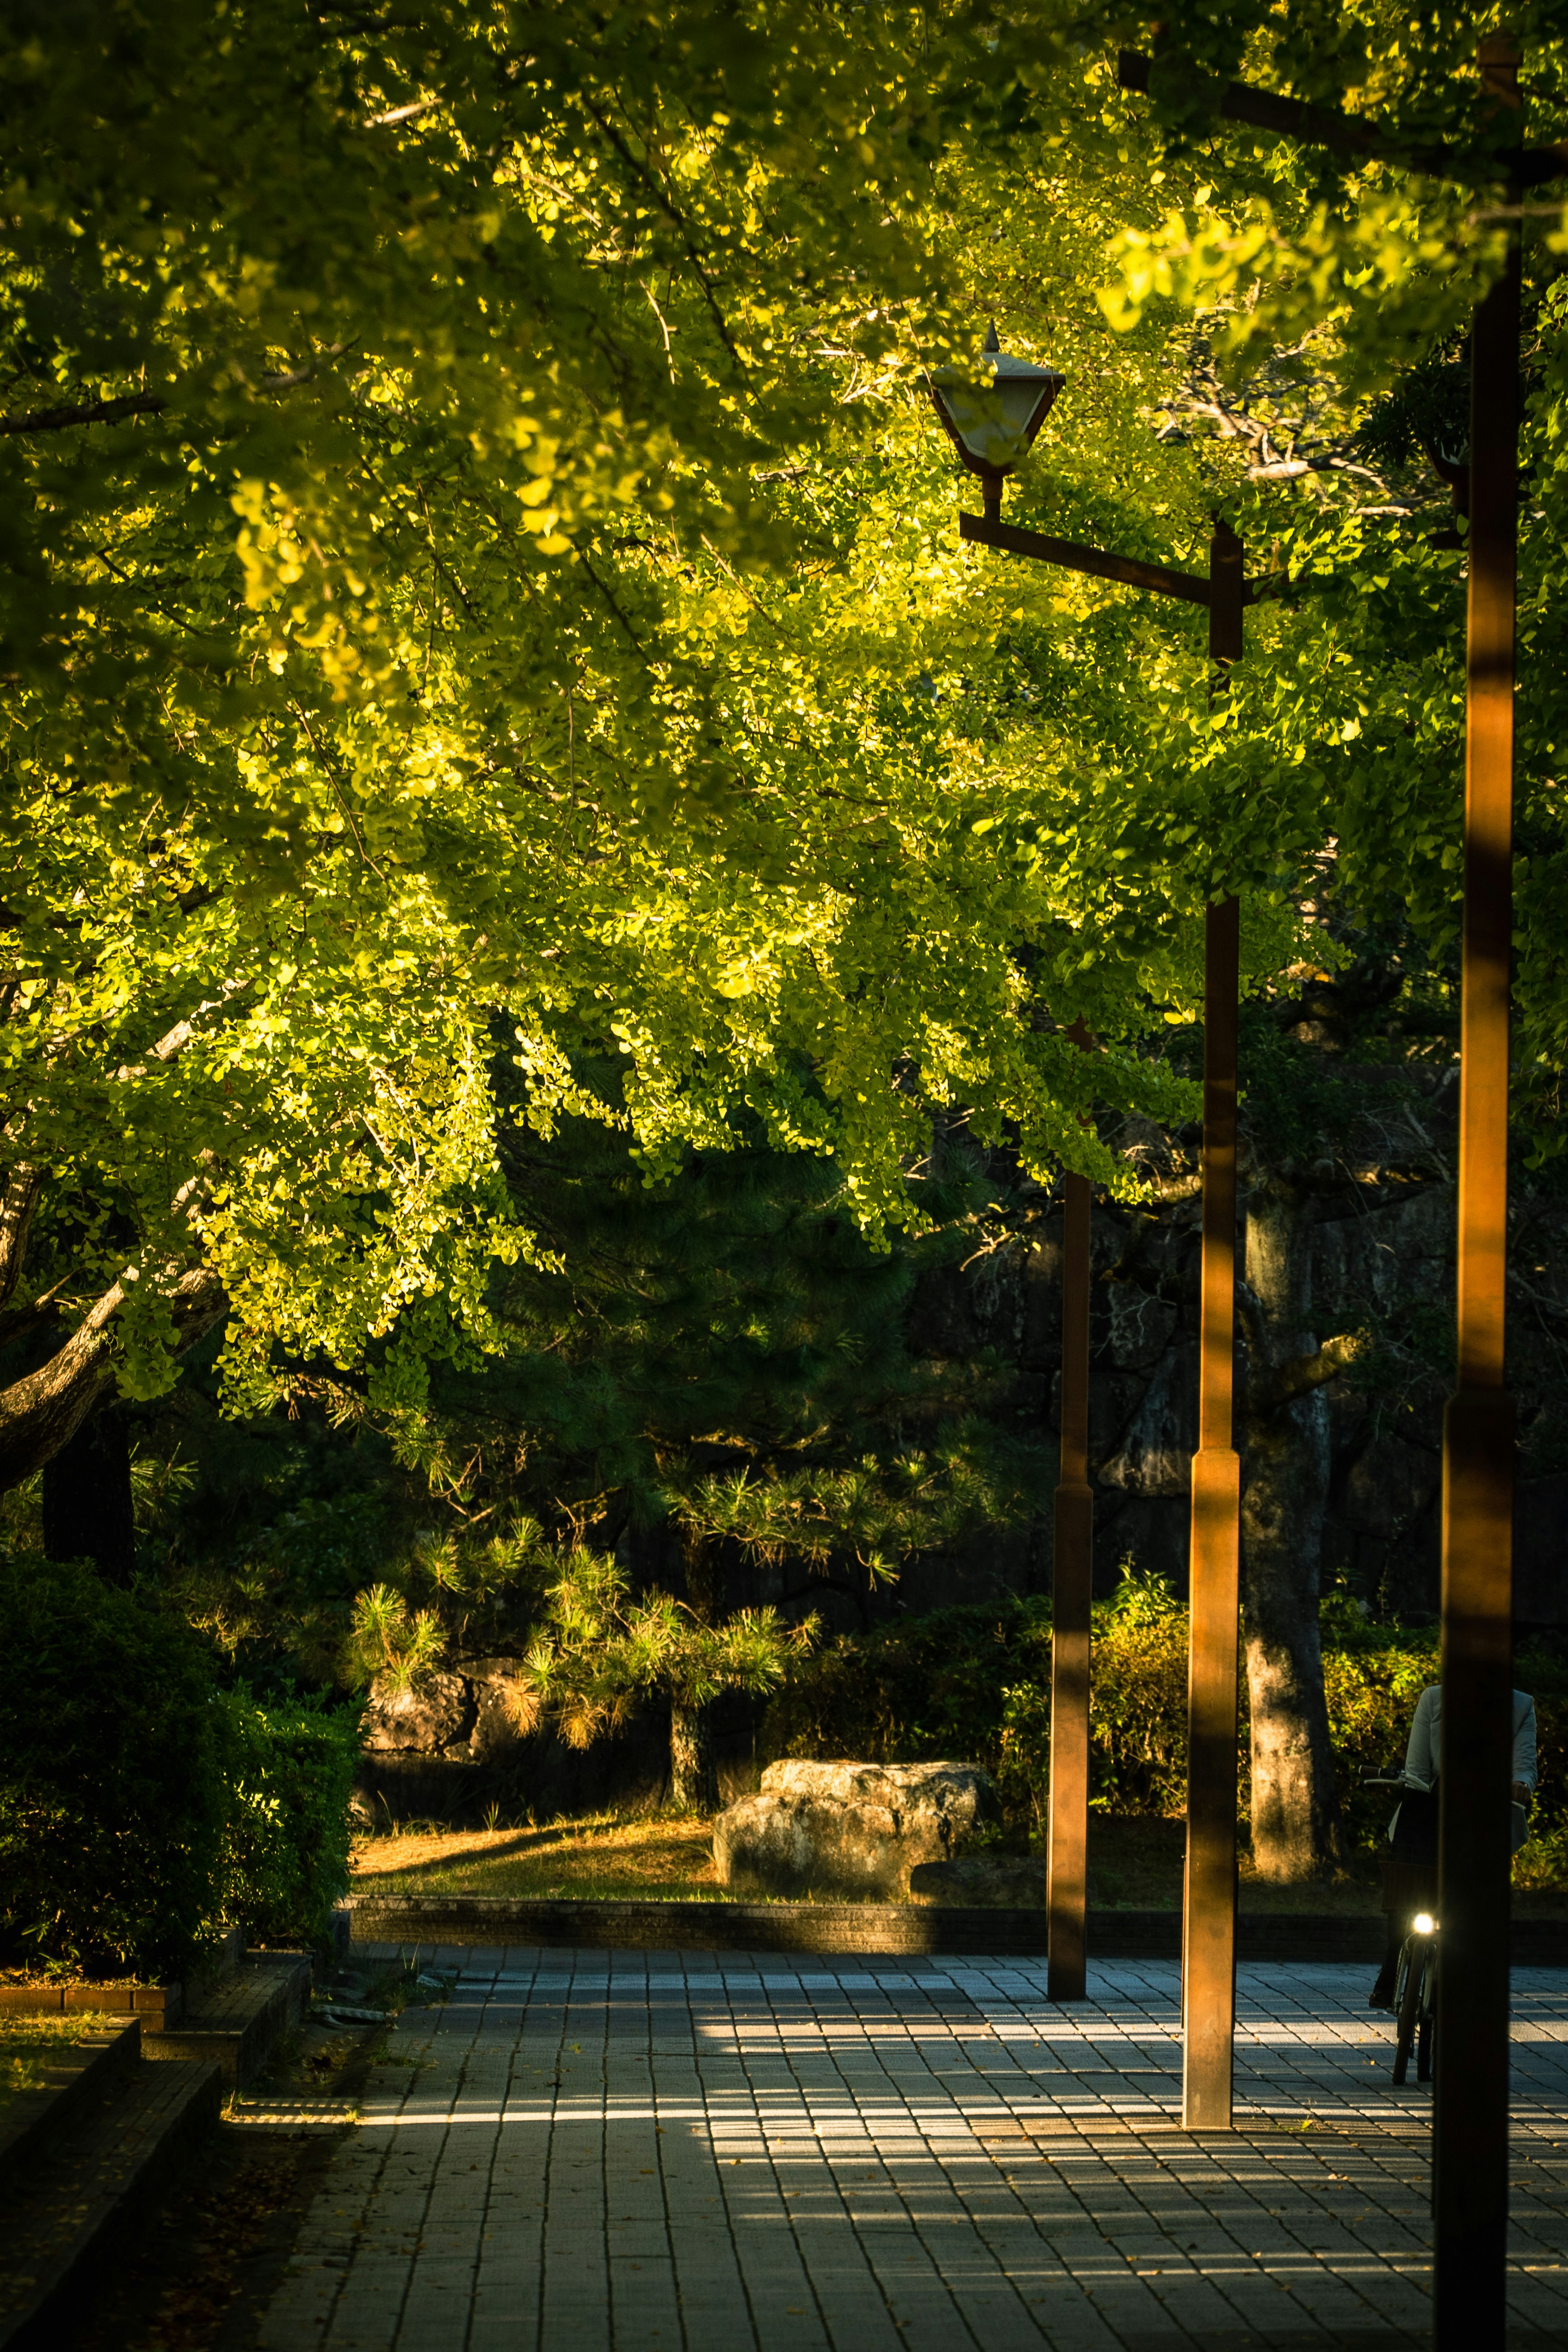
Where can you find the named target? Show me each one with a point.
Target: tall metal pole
(1471, 2102)
(1067, 1869)
(1208, 1913)
(1208, 1910)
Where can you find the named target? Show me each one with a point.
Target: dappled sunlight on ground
(639, 2152)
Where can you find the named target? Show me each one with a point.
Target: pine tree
(708, 1375)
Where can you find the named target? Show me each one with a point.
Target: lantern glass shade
(992, 411)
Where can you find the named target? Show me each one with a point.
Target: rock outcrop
(432, 1750)
(438, 1714)
(448, 1751)
(851, 1831)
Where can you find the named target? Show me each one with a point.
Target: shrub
(291, 1767)
(1373, 1677)
(113, 1802)
(965, 1682)
(140, 1805)
(975, 1682)
(1138, 1700)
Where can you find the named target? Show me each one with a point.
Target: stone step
(94, 2184)
(236, 2021)
(74, 2081)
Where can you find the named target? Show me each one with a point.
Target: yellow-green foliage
(1138, 1706)
(1373, 1677)
(975, 1682)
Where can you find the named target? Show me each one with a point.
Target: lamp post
(992, 419)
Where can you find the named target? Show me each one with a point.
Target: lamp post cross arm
(1160, 579)
(1071, 557)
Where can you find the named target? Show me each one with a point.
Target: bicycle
(1415, 1999)
(1415, 1974)
(1416, 1978)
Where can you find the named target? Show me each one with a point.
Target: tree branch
(286, 380)
(152, 403)
(1300, 1375)
(23, 1320)
(1360, 138)
(42, 1412)
(174, 1041)
(95, 412)
(398, 114)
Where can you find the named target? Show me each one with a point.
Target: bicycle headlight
(1424, 1924)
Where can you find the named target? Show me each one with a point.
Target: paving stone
(705, 2152)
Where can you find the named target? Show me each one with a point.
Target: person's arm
(1421, 1760)
(1524, 1773)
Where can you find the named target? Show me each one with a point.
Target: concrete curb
(891, 1927)
(243, 2019)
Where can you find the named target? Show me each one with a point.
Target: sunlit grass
(600, 1857)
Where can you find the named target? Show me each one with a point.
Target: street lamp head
(993, 413)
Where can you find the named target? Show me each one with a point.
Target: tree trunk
(88, 1511)
(693, 1770)
(42, 1411)
(1295, 1810)
(20, 1189)
(693, 1767)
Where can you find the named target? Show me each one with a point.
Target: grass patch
(28, 2043)
(596, 1858)
(603, 1857)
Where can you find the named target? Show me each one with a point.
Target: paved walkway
(696, 2152)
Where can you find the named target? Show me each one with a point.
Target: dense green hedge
(140, 1805)
(975, 1682)
(113, 1799)
(290, 1768)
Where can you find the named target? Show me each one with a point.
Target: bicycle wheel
(1425, 2032)
(1407, 2000)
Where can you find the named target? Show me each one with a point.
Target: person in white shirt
(1410, 1857)
(1423, 1756)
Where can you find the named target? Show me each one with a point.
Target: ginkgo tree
(481, 581)
(304, 310)
(393, 413)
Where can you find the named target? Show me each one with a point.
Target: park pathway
(595, 2151)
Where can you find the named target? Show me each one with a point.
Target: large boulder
(461, 1717)
(429, 1751)
(849, 1831)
